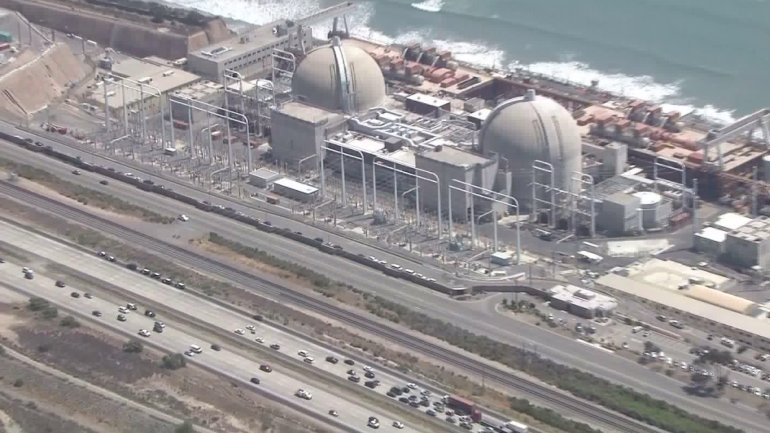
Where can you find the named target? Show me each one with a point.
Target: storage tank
(654, 209)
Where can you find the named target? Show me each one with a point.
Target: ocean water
(707, 56)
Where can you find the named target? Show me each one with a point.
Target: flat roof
(712, 234)
(428, 100)
(731, 221)
(199, 90)
(264, 173)
(305, 112)
(582, 297)
(670, 298)
(671, 275)
(453, 156)
(254, 40)
(296, 186)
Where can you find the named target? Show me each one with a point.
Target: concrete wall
(120, 34)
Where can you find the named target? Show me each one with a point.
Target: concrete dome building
(339, 77)
(522, 130)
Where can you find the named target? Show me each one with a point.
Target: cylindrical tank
(652, 211)
(766, 167)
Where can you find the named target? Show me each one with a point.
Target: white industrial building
(581, 302)
(251, 53)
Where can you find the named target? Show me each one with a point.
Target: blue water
(713, 55)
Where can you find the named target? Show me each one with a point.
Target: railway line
(603, 418)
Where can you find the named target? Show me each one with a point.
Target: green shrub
(50, 313)
(173, 362)
(69, 322)
(37, 304)
(133, 346)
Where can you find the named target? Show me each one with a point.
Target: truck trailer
(514, 427)
(463, 406)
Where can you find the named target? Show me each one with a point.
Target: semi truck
(463, 406)
(514, 427)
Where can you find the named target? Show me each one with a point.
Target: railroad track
(604, 417)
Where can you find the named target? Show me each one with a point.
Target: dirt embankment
(134, 35)
(31, 86)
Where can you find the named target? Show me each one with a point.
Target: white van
(637, 329)
(195, 348)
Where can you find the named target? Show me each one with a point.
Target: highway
(277, 385)
(148, 293)
(472, 316)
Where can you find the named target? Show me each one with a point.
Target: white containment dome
(339, 77)
(532, 127)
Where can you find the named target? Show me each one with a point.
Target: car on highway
(354, 379)
(259, 340)
(155, 275)
(131, 306)
(189, 353)
(60, 283)
(104, 182)
(111, 258)
(102, 254)
(166, 281)
(352, 372)
(239, 331)
(160, 324)
(123, 310)
(144, 333)
(332, 360)
(411, 386)
(87, 296)
(373, 422)
(183, 218)
(254, 380)
(302, 353)
(76, 172)
(75, 295)
(180, 286)
(275, 346)
(367, 368)
(398, 424)
(309, 359)
(431, 412)
(145, 271)
(301, 393)
(350, 362)
(195, 348)
(96, 313)
(156, 328)
(369, 375)
(266, 368)
(372, 384)
(149, 313)
(121, 318)
(216, 347)
(403, 400)
(333, 413)
(249, 327)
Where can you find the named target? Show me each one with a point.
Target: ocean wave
(639, 87)
(429, 5)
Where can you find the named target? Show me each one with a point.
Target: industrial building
(749, 245)
(581, 302)
(683, 293)
(263, 177)
(710, 240)
(299, 130)
(205, 91)
(294, 190)
(249, 54)
(154, 77)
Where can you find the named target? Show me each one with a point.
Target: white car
(189, 353)
(122, 310)
(411, 386)
(239, 331)
(398, 424)
(368, 369)
(259, 340)
(250, 327)
(302, 353)
(144, 333)
(183, 218)
(309, 359)
(301, 393)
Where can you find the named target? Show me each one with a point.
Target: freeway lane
(148, 293)
(475, 318)
(281, 387)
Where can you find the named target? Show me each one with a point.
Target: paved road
(278, 385)
(472, 316)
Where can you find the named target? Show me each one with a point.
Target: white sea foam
(640, 87)
(478, 52)
(429, 5)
